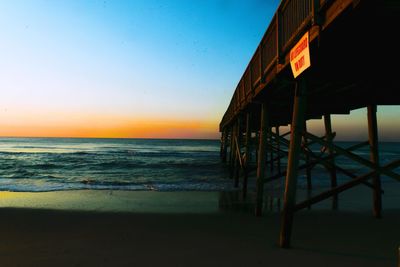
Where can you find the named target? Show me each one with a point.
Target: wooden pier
(317, 58)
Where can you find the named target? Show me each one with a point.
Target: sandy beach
(150, 133)
(121, 228)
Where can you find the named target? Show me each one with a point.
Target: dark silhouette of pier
(317, 58)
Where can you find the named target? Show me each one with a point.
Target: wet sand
(103, 228)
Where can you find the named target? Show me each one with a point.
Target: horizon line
(158, 138)
(77, 137)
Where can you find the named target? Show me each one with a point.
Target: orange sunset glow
(106, 126)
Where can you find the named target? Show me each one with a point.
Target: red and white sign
(300, 56)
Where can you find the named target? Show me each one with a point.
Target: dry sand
(103, 228)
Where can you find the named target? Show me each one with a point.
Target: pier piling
(331, 160)
(297, 127)
(247, 155)
(266, 97)
(261, 159)
(374, 156)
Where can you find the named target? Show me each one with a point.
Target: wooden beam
(361, 160)
(325, 161)
(247, 153)
(221, 151)
(322, 160)
(293, 162)
(257, 144)
(285, 134)
(305, 146)
(284, 173)
(225, 145)
(308, 169)
(331, 168)
(231, 148)
(233, 152)
(343, 187)
(374, 157)
(278, 146)
(238, 161)
(357, 146)
(270, 146)
(261, 159)
(239, 152)
(271, 152)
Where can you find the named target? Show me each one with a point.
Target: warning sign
(300, 56)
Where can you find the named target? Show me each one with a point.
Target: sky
(144, 68)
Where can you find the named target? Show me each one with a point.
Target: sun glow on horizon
(105, 126)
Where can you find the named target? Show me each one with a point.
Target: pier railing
(289, 22)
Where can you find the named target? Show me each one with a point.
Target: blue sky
(158, 59)
(76, 63)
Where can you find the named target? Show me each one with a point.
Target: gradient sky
(144, 68)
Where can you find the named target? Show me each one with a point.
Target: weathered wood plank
(247, 154)
(261, 159)
(331, 168)
(293, 162)
(357, 158)
(374, 156)
(343, 187)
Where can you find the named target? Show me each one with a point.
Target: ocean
(52, 164)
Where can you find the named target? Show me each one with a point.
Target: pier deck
(352, 51)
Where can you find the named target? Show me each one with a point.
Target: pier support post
(374, 156)
(293, 163)
(261, 159)
(247, 153)
(257, 144)
(278, 146)
(332, 169)
(308, 169)
(237, 152)
(271, 152)
(232, 151)
(224, 144)
(229, 152)
(221, 145)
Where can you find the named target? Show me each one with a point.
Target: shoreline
(114, 201)
(147, 228)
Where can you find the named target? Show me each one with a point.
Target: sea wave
(120, 164)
